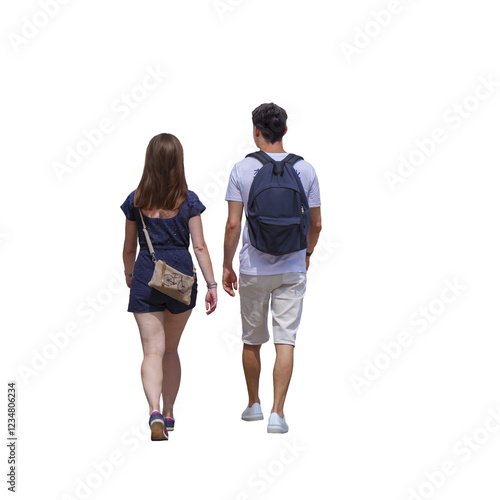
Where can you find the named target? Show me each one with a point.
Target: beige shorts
(286, 292)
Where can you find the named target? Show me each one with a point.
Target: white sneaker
(277, 424)
(253, 413)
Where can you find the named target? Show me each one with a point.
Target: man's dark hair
(270, 119)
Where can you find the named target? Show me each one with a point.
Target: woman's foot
(169, 423)
(158, 427)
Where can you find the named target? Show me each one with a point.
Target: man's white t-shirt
(253, 261)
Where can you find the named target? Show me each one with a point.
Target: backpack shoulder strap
(278, 167)
(261, 156)
(289, 160)
(292, 159)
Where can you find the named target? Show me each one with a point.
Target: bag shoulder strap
(278, 167)
(292, 159)
(148, 239)
(264, 158)
(289, 160)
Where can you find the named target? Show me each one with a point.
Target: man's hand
(308, 260)
(229, 280)
(231, 238)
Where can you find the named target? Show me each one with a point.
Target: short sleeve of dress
(128, 207)
(195, 206)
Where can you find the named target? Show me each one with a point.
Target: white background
(382, 254)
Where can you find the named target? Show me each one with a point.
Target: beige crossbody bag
(168, 280)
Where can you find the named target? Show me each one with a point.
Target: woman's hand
(211, 300)
(129, 282)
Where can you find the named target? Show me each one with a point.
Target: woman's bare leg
(153, 346)
(174, 326)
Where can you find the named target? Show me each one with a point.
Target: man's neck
(277, 147)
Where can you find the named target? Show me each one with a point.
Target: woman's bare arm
(129, 248)
(203, 258)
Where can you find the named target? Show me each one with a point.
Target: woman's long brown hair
(163, 184)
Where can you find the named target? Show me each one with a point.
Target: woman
(171, 213)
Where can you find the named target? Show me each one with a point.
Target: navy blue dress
(170, 239)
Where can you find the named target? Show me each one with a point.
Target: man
(281, 278)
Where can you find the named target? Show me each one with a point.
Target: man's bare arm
(231, 239)
(314, 230)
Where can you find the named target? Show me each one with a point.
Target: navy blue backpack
(277, 210)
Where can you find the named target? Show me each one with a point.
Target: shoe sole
(276, 429)
(157, 433)
(252, 418)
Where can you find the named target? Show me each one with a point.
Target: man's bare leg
(282, 374)
(251, 367)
